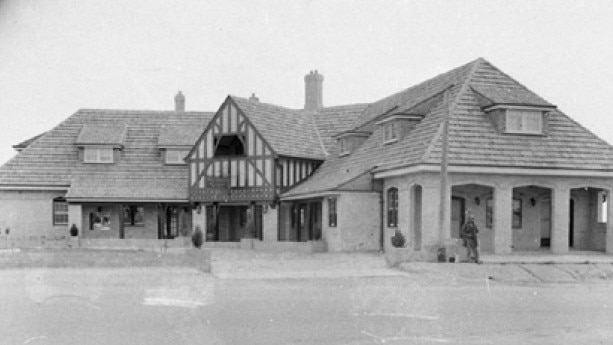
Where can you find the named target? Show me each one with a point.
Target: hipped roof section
(473, 139)
(101, 134)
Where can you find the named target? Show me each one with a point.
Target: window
(174, 156)
(98, 155)
(229, 145)
(517, 213)
(392, 207)
(389, 132)
(60, 211)
(332, 212)
(524, 121)
(342, 147)
(489, 212)
(100, 219)
(602, 207)
(134, 215)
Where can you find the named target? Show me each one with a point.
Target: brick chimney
(179, 102)
(313, 91)
(254, 98)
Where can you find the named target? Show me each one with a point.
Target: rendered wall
(29, 213)
(270, 221)
(358, 221)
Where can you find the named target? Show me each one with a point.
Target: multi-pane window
(60, 211)
(517, 213)
(98, 155)
(392, 207)
(174, 156)
(332, 212)
(134, 215)
(524, 121)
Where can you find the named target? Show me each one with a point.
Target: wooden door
(457, 216)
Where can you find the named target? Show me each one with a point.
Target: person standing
(469, 235)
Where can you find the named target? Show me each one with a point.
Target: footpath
(249, 264)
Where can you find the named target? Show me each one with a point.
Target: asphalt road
(185, 306)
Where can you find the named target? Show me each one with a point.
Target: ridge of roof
(451, 106)
(138, 111)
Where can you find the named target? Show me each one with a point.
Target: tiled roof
(22, 145)
(101, 134)
(173, 135)
(52, 160)
(298, 133)
(473, 140)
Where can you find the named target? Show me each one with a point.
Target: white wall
(29, 213)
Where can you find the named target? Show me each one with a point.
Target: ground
(420, 304)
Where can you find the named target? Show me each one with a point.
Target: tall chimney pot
(313, 91)
(179, 102)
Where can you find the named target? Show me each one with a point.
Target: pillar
(430, 215)
(75, 216)
(503, 219)
(560, 220)
(199, 220)
(609, 231)
(270, 223)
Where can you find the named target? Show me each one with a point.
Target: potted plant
(74, 236)
(397, 253)
(198, 237)
(74, 231)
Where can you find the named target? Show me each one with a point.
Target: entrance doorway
(231, 223)
(458, 206)
(546, 222)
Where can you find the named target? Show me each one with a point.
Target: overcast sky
(59, 56)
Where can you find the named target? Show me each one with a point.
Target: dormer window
(349, 141)
(176, 156)
(98, 155)
(390, 134)
(397, 125)
(524, 121)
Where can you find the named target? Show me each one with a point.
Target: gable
(230, 121)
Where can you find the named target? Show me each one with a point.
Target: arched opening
(532, 218)
(415, 214)
(588, 218)
(475, 200)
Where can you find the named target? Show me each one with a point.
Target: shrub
(398, 239)
(74, 231)
(197, 237)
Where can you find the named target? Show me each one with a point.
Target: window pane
(106, 155)
(514, 121)
(532, 121)
(91, 154)
(139, 215)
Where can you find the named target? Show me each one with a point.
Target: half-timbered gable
(234, 161)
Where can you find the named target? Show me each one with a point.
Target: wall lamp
(532, 201)
(477, 200)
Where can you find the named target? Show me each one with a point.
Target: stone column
(430, 216)
(503, 223)
(609, 230)
(560, 220)
(75, 216)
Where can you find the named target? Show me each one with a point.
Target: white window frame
(175, 156)
(98, 155)
(523, 119)
(60, 211)
(389, 132)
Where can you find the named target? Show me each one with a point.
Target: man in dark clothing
(469, 235)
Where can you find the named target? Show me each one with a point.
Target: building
(346, 178)
(115, 174)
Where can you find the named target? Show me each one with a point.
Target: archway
(476, 200)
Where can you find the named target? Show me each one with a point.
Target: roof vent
(179, 102)
(253, 98)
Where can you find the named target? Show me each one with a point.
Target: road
(185, 306)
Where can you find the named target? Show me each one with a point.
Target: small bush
(197, 237)
(74, 231)
(398, 239)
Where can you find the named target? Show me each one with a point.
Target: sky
(58, 56)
